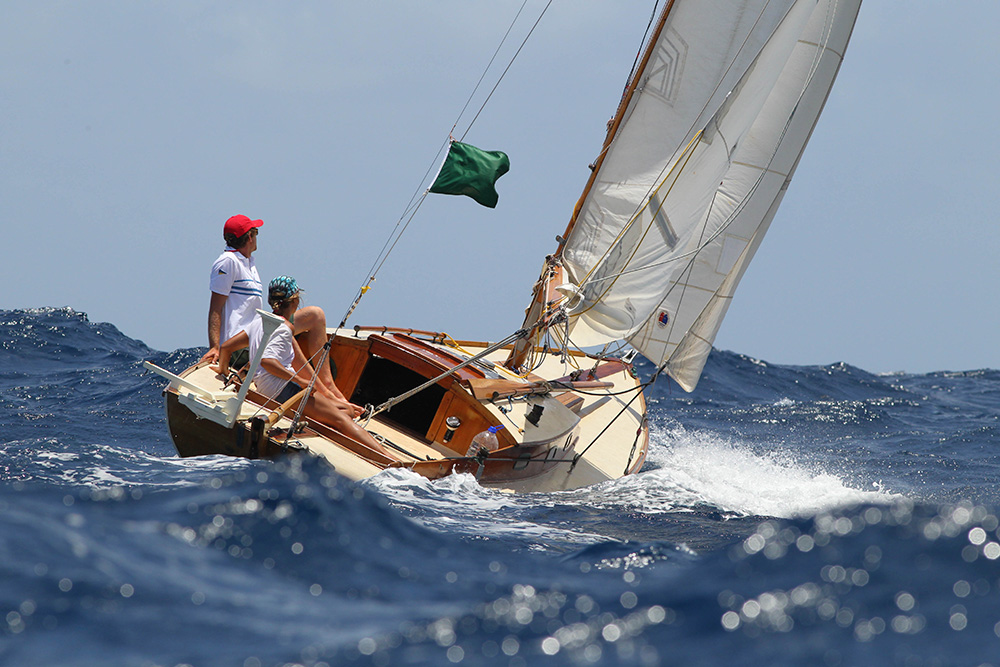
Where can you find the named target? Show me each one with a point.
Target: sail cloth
(472, 172)
(689, 184)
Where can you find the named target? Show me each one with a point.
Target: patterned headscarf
(281, 289)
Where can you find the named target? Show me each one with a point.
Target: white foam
(457, 504)
(691, 471)
(57, 456)
(705, 468)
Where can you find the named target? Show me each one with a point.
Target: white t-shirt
(234, 275)
(280, 347)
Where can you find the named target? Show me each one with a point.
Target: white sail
(660, 243)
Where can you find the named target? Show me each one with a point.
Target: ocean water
(787, 515)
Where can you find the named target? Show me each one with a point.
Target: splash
(708, 469)
(687, 471)
(457, 504)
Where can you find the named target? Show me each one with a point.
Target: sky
(130, 131)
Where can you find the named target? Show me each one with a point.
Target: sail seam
(669, 169)
(839, 54)
(630, 109)
(761, 168)
(680, 323)
(689, 153)
(817, 58)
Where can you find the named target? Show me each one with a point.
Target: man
(234, 283)
(237, 294)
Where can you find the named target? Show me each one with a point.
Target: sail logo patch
(664, 318)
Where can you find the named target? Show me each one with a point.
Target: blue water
(787, 515)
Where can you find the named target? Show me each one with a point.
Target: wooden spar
(535, 312)
(490, 390)
(616, 124)
(535, 316)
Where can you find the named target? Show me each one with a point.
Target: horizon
(135, 131)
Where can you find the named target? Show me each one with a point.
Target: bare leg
(310, 331)
(340, 416)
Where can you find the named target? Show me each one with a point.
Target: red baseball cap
(238, 225)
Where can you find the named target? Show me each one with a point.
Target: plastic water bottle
(486, 440)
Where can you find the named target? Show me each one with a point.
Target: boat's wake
(457, 504)
(697, 469)
(686, 472)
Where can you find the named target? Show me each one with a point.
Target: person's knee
(315, 313)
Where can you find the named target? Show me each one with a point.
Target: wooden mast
(536, 315)
(616, 122)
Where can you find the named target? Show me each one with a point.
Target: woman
(284, 369)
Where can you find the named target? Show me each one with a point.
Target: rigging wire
(504, 73)
(693, 254)
(669, 166)
(642, 45)
(638, 392)
(487, 69)
(421, 191)
(274, 396)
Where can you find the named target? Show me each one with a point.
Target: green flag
(472, 172)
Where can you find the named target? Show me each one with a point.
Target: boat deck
(562, 452)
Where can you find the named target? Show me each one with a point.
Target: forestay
(695, 170)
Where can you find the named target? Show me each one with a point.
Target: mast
(698, 154)
(616, 122)
(536, 318)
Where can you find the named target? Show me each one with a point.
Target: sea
(786, 515)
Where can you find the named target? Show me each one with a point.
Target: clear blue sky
(132, 130)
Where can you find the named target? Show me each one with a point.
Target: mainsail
(694, 168)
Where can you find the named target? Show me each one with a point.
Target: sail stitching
(764, 170)
(819, 50)
(653, 190)
(729, 67)
(686, 156)
(702, 245)
(692, 255)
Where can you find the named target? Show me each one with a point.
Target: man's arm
(215, 309)
(226, 350)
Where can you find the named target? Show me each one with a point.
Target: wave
(736, 478)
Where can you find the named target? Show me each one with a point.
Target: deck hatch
(382, 379)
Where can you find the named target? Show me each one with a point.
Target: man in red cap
(235, 284)
(237, 294)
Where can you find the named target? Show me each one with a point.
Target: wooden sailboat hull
(562, 451)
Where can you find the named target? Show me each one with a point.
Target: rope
(638, 392)
(686, 156)
(312, 383)
(315, 375)
(667, 168)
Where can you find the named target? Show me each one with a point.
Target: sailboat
(697, 158)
